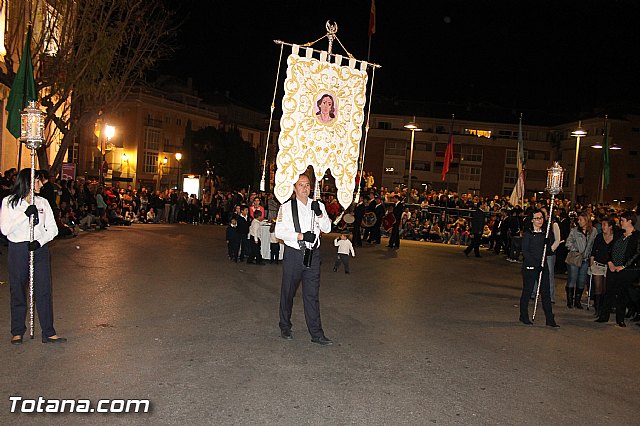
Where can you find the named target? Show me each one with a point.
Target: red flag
(448, 157)
(372, 18)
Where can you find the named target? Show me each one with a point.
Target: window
(384, 125)
(421, 166)
(398, 148)
(633, 152)
(422, 146)
(150, 162)
(152, 139)
(471, 153)
(73, 153)
(179, 121)
(631, 176)
(470, 173)
(393, 167)
(510, 176)
(478, 133)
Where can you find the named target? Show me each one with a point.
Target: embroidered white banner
(321, 125)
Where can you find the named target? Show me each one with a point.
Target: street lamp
(414, 128)
(178, 158)
(578, 133)
(109, 131)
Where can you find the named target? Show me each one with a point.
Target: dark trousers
(357, 238)
(394, 239)
(474, 245)
(529, 278)
(342, 259)
(275, 251)
(18, 261)
(515, 246)
(233, 248)
(294, 272)
(375, 234)
(245, 246)
(254, 253)
(617, 293)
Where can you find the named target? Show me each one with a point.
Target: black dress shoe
(54, 340)
(601, 320)
(16, 340)
(286, 334)
(552, 324)
(526, 321)
(322, 341)
(621, 324)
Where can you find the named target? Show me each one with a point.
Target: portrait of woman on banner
(326, 108)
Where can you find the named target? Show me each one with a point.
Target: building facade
(485, 155)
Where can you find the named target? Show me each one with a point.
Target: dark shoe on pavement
(526, 321)
(335, 269)
(552, 324)
(601, 320)
(621, 324)
(53, 339)
(16, 340)
(286, 334)
(323, 341)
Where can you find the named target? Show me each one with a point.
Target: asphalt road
(422, 335)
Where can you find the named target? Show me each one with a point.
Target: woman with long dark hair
(533, 244)
(600, 256)
(16, 211)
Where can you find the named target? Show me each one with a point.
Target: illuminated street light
(578, 133)
(178, 157)
(414, 128)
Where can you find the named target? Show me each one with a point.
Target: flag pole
(522, 172)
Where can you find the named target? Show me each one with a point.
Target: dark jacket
(243, 225)
(477, 221)
(533, 246)
(632, 254)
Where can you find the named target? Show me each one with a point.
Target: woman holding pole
(533, 245)
(17, 210)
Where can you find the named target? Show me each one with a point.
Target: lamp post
(578, 133)
(109, 131)
(162, 163)
(178, 158)
(414, 128)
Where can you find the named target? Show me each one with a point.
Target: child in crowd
(233, 240)
(344, 249)
(275, 244)
(255, 256)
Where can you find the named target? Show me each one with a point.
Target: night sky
(560, 56)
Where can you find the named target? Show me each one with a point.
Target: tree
(87, 56)
(232, 158)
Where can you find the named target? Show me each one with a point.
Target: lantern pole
(31, 134)
(554, 186)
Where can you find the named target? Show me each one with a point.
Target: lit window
(510, 176)
(479, 133)
(471, 153)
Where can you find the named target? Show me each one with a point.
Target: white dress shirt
(284, 225)
(15, 224)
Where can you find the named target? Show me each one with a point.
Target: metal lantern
(554, 179)
(32, 125)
